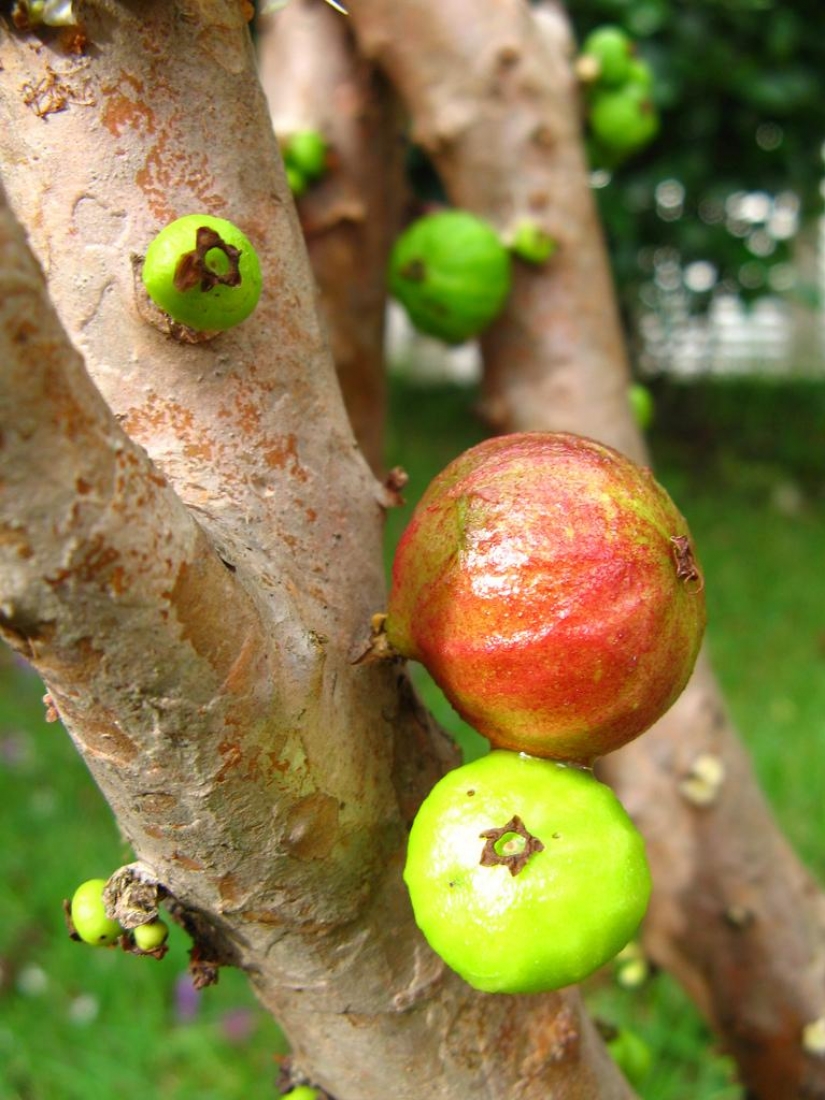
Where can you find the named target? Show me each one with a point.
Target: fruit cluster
(89, 921)
(549, 586)
(621, 112)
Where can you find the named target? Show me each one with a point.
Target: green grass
(745, 465)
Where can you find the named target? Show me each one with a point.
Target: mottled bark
(190, 555)
(735, 916)
(314, 79)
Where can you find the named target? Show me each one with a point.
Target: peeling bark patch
(124, 111)
(207, 624)
(232, 756)
(187, 862)
(229, 889)
(225, 45)
(241, 670)
(282, 454)
(561, 1040)
(93, 567)
(15, 539)
(312, 825)
(169, 169)
(157, 805)
(107, 742)
(267, 917)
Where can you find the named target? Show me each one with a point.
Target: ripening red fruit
(548, 584)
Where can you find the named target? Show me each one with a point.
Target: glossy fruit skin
(451, 273)
(540, 584)
(624, 120)
(613, 49)
(571, 907)
(217, 308)
(151, 936)
(88, 914)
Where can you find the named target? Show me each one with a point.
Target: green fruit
(451, 273)
(612, 50)
(303, 1092)
(88, 914)
(549, 586)
(632, 1055)
(641, 404)
(624, 120)
(640, 74)
(525, 875)
(296, 179)
(306, 151)
(531, 243)
(151, 936)
(203, 272)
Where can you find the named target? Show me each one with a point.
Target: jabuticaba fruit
(550, 586)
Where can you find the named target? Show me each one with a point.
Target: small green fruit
(624, 120)
(612, 51)
(640, 74)
(451, 273)
(641, 404)
(151, 936)
(296, 179)
(531, 243)
(525, 875)
(632, 1055)
(302, 1092)
(203, 272)
(306, 151)
(88, 914)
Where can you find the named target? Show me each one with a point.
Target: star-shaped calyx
(512, 845)
(194, 268)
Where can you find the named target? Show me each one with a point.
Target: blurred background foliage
(736, 169)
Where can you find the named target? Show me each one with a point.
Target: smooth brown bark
(735, 916)
(314, 79)
(190, 555)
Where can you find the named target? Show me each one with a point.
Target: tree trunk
(314, 80)
(735, 917)
(194, 592)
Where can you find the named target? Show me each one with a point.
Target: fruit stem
(193, 269)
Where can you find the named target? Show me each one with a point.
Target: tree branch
(313, 79)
